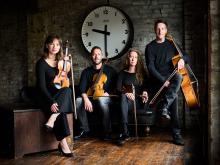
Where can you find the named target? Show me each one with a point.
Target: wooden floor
(156, 149)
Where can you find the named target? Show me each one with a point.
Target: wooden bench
(23, 132)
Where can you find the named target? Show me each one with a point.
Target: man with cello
(96, 84)
(159, 54)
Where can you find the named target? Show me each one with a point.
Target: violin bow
(74, 97)
(135, 113)
(162, 87)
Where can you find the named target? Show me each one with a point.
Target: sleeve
(41, 82)
(119, 82)
(150, 60)
(111, 79)
(83, 84)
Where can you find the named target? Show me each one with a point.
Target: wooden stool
(22, 131)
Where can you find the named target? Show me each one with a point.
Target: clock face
(108, 28)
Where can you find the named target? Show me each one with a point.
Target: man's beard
(97, 63)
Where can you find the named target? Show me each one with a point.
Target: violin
(99, 80)
(61, 80)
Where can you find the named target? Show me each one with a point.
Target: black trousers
(64, 99)
(101, 106)
(170, 102)
(126, 106)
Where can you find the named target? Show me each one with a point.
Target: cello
(187, 85)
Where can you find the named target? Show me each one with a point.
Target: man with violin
(159, 54)
(96, 84)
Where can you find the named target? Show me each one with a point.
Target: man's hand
(106, 94)
(181, 64)
(166, 84)
(88, 105)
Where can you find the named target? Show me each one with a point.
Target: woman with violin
(159, 54)
(55, 102)
(132, 74)
(96, 85)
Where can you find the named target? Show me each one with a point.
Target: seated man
(158, 55)
(96, 82)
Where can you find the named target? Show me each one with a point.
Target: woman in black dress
(133, 73)
(55, 102)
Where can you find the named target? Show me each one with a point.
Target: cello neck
(170, 38)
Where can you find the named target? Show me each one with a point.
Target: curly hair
(139, 69)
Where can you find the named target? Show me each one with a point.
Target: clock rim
(130, 38)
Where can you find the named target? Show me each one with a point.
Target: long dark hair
(139, 68)
(49, 40)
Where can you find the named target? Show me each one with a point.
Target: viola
(61, 80)
(99, 80)
(191, 96)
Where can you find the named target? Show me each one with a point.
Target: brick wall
(13, 54)
(214, 81)
(66, 18)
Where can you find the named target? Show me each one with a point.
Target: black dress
(47, 94)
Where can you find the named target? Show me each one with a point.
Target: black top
(86, 79)
(158, 58)
(127, 79)
(45, 76)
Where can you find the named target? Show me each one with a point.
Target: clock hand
(101, 31)
(105, 41)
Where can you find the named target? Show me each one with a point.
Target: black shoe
(83, 134)
(48, 128)
(122, 139)
(63, 153)
(178, 140)
(165, 114)
(106, 137)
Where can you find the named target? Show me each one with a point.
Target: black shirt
(125, 78)
(158, 58)
(45, 75)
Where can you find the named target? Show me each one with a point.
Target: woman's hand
(54, 108)
(130, 96)
(144, 97)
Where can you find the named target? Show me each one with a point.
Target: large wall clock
(109, 28)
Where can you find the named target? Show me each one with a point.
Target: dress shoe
(63, 153)
(165, 114)
(83, 134)
(122, 139)
(48, 128)
(178, 140)
(106, 137)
